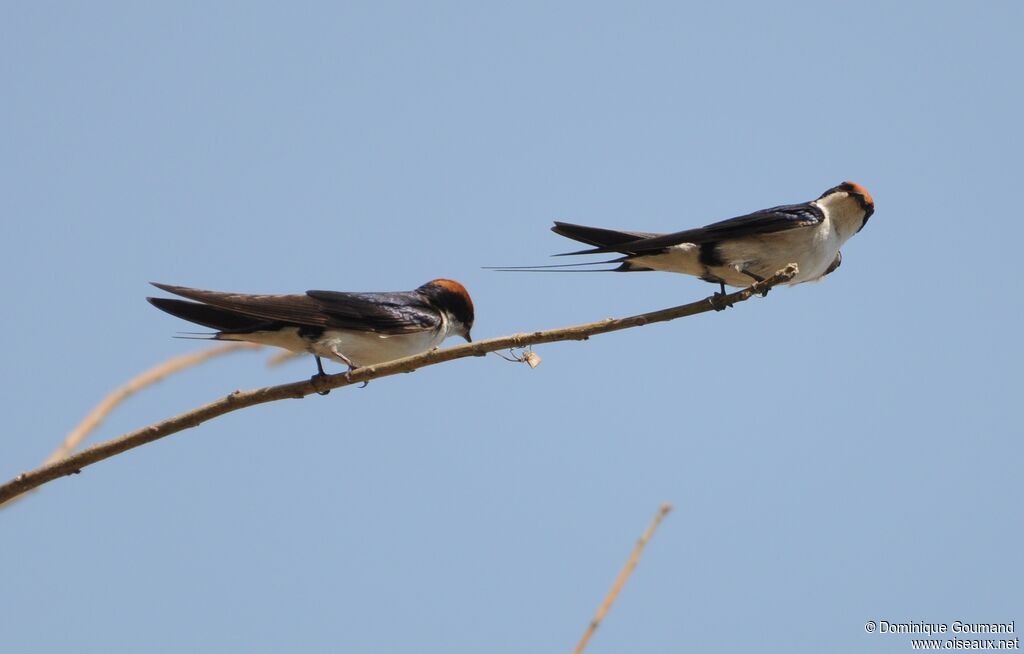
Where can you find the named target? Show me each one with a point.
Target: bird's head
(452, 297)
(849, 199)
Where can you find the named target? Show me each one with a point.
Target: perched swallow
(740, 250)
(357, 329)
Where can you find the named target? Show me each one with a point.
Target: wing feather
(391, 313)
(766, 221)
(394, 313)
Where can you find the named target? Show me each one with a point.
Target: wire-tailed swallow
(740, 250)
(357, 329)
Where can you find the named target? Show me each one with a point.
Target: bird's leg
(348, 362)
(758, 279)
(718, 299)
(318, 378)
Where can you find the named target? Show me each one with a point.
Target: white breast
(368, 348)
(361, 348)
(813, 249)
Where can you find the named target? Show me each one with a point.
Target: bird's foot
(757, 279)
(348, 377)
(720, 302)
(318, 380)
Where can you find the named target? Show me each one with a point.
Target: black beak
(467, 337)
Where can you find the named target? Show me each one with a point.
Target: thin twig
(620, 581)
(297, 390)
(157, 373)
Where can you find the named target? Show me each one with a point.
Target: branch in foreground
(155, 374)
(297, 390)
(620, 581)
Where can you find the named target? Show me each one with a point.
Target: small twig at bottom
(634, 558)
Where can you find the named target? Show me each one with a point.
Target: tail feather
(544, 269)
(561, 267)
(624, 266)
(605, 240)
(203, 314)
(556, 265)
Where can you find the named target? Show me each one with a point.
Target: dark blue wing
(391, 313)
(766, 221)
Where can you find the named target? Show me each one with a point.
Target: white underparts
(359, 347)
(813, 249)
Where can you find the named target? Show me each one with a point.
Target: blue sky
(836, 453)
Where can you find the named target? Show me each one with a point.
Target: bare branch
(297, 390)
(155, 374)
(620, 581)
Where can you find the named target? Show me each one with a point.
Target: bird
(737, 251)
(357, 329)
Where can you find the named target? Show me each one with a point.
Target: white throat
(844, 212)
